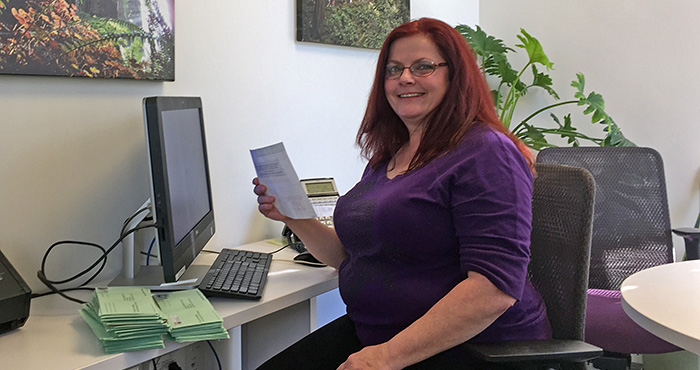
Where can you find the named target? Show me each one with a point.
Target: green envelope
(190, 315)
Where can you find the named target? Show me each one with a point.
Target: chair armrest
(687, 232)
(691, 236)
(535, 351)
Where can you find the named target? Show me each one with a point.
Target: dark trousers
(329, 346)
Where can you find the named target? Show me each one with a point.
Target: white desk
(665, 300)
(56, 337)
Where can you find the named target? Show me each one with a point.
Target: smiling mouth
(410, 95)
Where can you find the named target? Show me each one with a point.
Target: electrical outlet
(194, 358)
(187, 358)
(158, 363)
(163, 362)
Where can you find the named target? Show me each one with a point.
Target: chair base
(612, 361)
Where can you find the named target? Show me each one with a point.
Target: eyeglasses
(423, 68)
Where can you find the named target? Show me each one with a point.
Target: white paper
(275, 171)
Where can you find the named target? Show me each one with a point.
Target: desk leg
(265, 337)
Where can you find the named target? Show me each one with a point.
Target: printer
(15, 297)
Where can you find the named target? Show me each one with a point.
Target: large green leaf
(533, 138)
(483, 45)
(596, 105)
(594, 102)
(534, 49)
(567, 130)
(543, 80)
(579, 83)
(616, 138)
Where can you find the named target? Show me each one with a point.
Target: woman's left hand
(372, 357)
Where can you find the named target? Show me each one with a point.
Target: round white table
(665, 300)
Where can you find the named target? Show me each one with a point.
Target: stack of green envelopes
(125, 319)
(131, 318)
(190, 316)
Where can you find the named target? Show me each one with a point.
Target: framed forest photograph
(355, 23)
(126, 39)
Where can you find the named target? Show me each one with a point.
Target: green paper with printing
(125, 304)
(190, 315)
(113, 344)
(125, 319)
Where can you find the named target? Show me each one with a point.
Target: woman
(432, 244)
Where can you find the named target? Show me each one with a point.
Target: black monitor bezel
(175, 257)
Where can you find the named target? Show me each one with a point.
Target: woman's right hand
(265, 203)
(321, 240)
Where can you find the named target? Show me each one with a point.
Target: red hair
(466, 103)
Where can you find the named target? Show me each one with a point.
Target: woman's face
(412, 97)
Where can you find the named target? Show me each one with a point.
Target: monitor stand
(149, 276)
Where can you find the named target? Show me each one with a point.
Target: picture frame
(353, 23)
(124, 39)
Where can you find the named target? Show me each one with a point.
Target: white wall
(642, 56)
(72, 153)
(72, 157)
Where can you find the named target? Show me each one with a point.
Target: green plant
(491, 53)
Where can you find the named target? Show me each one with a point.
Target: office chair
(631, 232)
(562, 217)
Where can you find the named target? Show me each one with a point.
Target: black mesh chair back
(631, 226)
(562, 221)
(562, 214)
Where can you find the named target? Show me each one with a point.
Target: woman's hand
(369, 358)
(320, 240)
(265, 203)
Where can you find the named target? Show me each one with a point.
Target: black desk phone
(323, 194)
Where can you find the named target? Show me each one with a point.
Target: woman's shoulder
(485, 140)
(484, 150)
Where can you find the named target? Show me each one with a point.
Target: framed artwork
(128, 39)
(356, 23)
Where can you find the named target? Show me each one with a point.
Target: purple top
(413, 238)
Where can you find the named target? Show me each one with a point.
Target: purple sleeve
(491, 206)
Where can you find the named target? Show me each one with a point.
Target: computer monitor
(181, 201)
(180, 187)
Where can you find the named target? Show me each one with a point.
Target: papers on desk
(190, 316)
(131, 319)
(125, 319)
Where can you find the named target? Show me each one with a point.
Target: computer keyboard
(237, 274)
